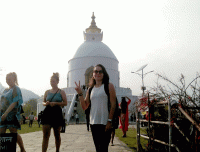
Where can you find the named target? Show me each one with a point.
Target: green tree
(30, 106)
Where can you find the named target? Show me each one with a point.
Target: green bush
(131, 140)
(26, 129)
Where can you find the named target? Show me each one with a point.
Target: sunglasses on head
(100, 72)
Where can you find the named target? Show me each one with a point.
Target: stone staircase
(81, 112)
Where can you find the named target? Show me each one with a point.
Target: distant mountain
(26, 94)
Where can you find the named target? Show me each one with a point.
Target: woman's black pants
(100, 137)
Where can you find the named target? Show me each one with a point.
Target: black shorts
(52, 116)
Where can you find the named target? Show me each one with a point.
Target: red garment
(147, 116)
(126, 118)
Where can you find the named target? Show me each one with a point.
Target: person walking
(40, 118)
(131, 117)
(112, 136)
(31, 118)
(23, 119)
(77, 118)
(100, 116)
(124, 115)
(11, 101)
(54, 99)
(64, 120)
(87, 113)
(115, 127)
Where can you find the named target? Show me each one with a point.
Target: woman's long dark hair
(105, 76)
(123, 105)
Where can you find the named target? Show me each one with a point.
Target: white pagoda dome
(94, 49)
(90, 53)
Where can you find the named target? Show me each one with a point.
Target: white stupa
(93, 51)
(90, 53)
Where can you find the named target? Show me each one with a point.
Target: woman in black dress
(54, 99)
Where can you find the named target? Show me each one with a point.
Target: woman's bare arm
(10, 108)
(45, 103)
(84, 102)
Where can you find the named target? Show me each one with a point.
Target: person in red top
(123, 119)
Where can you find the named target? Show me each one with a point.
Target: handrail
(69, 113)
(159, 141)
(189, 118)
(181, 132)
(157, 122)
(162, 102)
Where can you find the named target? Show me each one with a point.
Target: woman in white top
(100, 117)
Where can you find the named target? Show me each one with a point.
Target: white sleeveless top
(99, 106)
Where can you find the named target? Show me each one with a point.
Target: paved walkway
(76, 139)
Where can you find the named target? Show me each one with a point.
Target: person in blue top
(10, 107)
(54, 99)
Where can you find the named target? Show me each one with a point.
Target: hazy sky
(39, 37)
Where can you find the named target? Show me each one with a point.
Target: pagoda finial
(93, 28)
(93, 33)
(93, 23)
(93, 17)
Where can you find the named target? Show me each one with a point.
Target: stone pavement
(75, 139)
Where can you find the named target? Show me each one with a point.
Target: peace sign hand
(78, 88)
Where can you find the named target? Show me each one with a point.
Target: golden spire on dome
(93, 28)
